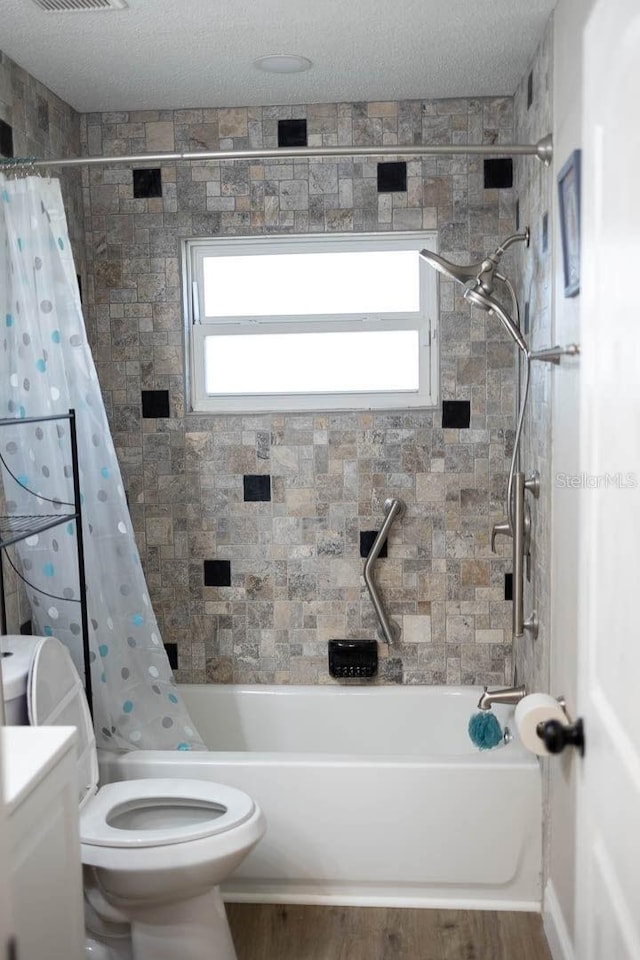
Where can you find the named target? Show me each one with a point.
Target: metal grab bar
(389, 630)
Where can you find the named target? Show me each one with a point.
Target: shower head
(452, 270)
(476, 295)
(483, 272)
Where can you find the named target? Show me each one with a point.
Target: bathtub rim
(521, 761)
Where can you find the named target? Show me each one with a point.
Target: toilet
(154, 851)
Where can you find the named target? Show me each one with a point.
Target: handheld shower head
(475, 294)
(478, 278)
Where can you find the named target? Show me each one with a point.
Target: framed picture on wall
(569, 205)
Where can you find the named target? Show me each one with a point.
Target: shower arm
(523, 237)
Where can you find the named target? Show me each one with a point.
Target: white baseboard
(342, 899)
(555, 927)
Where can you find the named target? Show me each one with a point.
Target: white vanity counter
(29, 754)
(41, 794)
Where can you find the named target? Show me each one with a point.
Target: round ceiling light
(283, 63)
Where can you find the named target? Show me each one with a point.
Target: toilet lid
(56, 697)
(160, 812)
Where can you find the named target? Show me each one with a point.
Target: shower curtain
(46, 368)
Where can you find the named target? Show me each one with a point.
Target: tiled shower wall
(251, 590)
(40, 125)
(533, 106)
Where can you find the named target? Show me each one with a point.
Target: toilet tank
(17, 653)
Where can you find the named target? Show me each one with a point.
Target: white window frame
(198, 327)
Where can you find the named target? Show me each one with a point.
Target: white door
(608, 838)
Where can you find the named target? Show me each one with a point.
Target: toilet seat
(212, 808)
(129, 814)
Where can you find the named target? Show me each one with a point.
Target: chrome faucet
(504, 695)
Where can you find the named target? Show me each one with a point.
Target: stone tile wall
(534, 185)
(46, 127)
(293, 561)
(287, 571)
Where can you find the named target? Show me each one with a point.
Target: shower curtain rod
(543, 149)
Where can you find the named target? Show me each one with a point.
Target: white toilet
(153, 851)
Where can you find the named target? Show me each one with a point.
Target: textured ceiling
(187, 53)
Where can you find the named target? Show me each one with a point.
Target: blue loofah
(485, 730)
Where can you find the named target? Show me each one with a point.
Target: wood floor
(281, 932)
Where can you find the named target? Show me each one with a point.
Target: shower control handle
(501, 528)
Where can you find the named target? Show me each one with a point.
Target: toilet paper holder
(557, 736)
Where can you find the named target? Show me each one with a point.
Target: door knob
(556, 736)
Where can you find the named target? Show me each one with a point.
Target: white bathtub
(373, 796)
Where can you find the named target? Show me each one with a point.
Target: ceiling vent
(79, 6)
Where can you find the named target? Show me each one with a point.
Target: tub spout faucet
(504, 695)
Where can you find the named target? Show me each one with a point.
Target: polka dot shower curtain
(46, 368)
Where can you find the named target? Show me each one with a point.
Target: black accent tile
(172, 654)
(392, 177)
(147, 183)
(292, 133)
(545, 232)
(526, 318)
(155, 403)
(530, 90)
(257, 487)
(508, 586)
(217, 573)
(517, 214)
(26, 628)
(366, 542)
(6, 139)
(498, 173)
(456, 414)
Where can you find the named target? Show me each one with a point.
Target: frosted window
(336, 362)
(371, 281)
